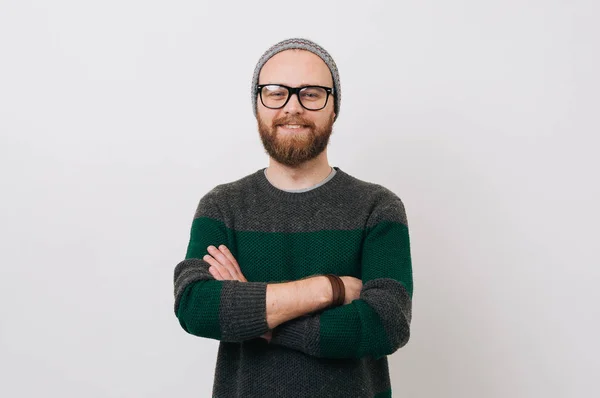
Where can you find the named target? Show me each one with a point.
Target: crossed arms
(284, 301)
(213, 300)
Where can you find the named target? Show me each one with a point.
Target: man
(266, 252)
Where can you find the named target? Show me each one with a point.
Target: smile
(292, 126)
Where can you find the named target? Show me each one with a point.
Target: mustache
(293, 120)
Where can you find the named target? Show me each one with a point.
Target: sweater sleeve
(229, 311)
(378, 322)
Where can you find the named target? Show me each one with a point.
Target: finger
(226, 269)
(213, 266)
(225, 250)
(233, 261)
(215, 269)
(214, 273)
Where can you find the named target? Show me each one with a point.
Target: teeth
(292, 126)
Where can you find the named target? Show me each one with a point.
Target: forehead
(296, 68)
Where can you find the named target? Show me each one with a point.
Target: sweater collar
(327, 189)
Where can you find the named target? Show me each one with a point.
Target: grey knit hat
(303, 44)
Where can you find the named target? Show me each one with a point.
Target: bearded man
(301, 271)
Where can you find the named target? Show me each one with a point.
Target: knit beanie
(303, 44)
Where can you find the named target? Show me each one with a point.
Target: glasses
(276, 96)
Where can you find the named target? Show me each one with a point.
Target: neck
(302, 176)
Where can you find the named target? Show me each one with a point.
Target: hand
(352, 287)
(224, 267)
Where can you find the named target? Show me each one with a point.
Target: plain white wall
(117, 116)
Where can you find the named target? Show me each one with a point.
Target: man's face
(286, 144)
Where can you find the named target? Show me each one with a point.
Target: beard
(294, 149)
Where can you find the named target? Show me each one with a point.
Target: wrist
(338, 289)
(325, 291)
(319, 290)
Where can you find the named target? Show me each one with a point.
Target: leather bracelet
(342, 291)
(339, 291)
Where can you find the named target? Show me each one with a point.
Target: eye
(313, 93)
(274, 92)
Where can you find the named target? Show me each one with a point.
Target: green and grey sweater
(344, 226)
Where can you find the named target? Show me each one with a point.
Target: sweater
(345, 226)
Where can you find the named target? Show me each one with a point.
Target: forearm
(238, 311)
(227, 310)
(230, 311)
(376, 324)
(290, 300)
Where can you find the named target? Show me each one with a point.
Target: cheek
(324, 119)
(327, 114)
(266, 116)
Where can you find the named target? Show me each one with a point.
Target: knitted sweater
(345, 226)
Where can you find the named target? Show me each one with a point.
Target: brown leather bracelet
(339, 291)
(342, 291)
(335, 287)
(336, 290)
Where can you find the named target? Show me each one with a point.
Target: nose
(293, 106)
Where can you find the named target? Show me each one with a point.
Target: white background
(117, 116)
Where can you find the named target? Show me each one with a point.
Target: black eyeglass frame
(292, 91)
